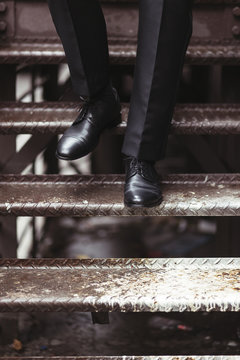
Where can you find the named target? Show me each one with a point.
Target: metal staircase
(123, 285)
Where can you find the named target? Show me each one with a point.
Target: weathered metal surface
(120, 54)
(176, 357)
(126, 285)
(55, 118)
(54, 195)
(30, 40)
(212, 19)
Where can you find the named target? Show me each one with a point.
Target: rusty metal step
(176, 357)
(215, 37)
(55, 118)
(125, 285)
(100, 195)
(120, 54)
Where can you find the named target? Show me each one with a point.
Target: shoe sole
(115, 123)
(135, 205)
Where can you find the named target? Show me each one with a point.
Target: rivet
(236, 11)
(3, 6)
(3, 26)
(236, 30)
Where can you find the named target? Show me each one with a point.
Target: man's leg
(82, 29)
(165, 28)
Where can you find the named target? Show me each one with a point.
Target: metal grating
(177, 357)
(122, 54)
(126, 285)
(102, 195)
(55, 118)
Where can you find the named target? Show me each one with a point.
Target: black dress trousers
(165, 28)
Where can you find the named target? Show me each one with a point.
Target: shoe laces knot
(138, 165)
(141, 167)
(87, 102)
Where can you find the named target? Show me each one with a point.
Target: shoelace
(87, 102)
(142, 167)
(139, 165)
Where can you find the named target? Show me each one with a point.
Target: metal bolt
(236, 11)
(3, 26)
(236, 30)
(3, 6)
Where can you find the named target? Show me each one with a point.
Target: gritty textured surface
(197, 119)
(120, 285)
(133, 358)
(122, 54)
(183, 195)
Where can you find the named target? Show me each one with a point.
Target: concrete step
(102, 195)
(120, 54)
(55, 118)
(123, 285)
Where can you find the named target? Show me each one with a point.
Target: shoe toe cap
(143, 198)
(70, 148)
(139, 192)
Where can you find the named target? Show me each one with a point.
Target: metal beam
(20, 160)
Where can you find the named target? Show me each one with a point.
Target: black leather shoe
(142, 187)
(96, 115)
